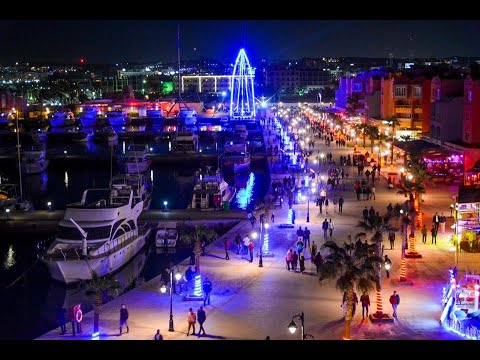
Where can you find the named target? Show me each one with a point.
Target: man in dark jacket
(325, 228)
(340, 204)
(201, 317)
(123, 318)
(207, 289)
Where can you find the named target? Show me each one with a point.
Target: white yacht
(100, 233)
(117, 118)
(167, 234)
(138, 183)
(33, 162)
(107, 133)
(92, 116)
(236, 157)
(136, 150)
(211, 191)
(62, 119)
(133, 164)
(186, 142)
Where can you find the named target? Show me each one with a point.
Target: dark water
(28, 307)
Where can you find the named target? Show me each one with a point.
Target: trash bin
(226, 205)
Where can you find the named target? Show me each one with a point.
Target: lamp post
(14, 112)
(165, 203)
(49, 204)
(7, 211)
(308, 205)
(292, 327)
(163, 290)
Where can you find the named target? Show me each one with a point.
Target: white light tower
(242, 96)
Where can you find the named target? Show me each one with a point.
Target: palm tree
(268, 203)
(194, 234)
(378, 227)
(353, 103)
(363, 128)
(393, 122)
(350, 271)
(95, 289)
(372, 132)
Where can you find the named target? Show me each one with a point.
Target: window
(437, 95)
(469, 96)
(93, 233)
(357, 87)
(400, 91)
(417, 91)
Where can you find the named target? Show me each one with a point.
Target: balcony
(403, 109)
(418, 110)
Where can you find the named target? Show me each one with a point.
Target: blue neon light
(197, 291)
(241, 88)
(244, 196)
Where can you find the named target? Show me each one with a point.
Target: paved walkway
(249, 302)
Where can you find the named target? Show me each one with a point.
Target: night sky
(115, 41)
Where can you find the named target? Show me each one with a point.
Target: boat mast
(178, 63)
(18, 153)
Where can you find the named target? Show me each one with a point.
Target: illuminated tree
(96, 289)
(393, 122)
(352, 267)
(377, 227)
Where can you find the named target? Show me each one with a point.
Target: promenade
(252, 302)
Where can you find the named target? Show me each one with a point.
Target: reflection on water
(36, 183)
(9, 258)
(245, 194)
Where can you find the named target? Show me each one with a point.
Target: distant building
(445, 116)
(216, 84)
(471, 111)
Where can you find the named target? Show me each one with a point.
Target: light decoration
(403, 270)
(242, 94)
(244, 196)
(379, 304)
(197, 290)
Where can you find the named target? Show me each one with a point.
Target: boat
(167, 235)
(186, 142)
(235, 157)
(8, 195)
(33, 161)
(138, 183)
(62, 119)
(82, 136)
(92, 116)
(39, 136)
(106, 134)
(211, 191)
(133, 164)
(98, 234)
(188, 116)
(155, 114)
(136, 150)
(117, 118)
(5, 119)
(241, 131)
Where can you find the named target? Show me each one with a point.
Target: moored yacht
(106, 134)
(33, 161)
(235, 157)
(62, 119)
(186, 142)
(91, 117)
(100, 233)
(133, 164)
(211, 191)
(167, 235)
(138, 183)
(117, 118)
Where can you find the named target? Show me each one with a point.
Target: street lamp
(49, 204)
(292, 327)
(308, 205)
(7, 211)
(163, 290)
(165, 203)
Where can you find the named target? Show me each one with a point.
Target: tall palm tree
(351, 267)
(353, 103)
(372, 132)
(193, 234)
(96, 289)
(363, 128)
(377, 227)
(393, 122)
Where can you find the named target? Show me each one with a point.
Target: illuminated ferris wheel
(242, 97)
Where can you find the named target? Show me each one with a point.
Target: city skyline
(114, 41)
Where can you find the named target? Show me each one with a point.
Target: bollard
(260, 260)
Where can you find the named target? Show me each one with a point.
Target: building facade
(445, 116)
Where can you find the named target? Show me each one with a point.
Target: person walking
(326, 205)
(313, 252)
(424, 233)
(61, 319)
(443, 222)
(306, 238)
(238, 241)
(365, 300)
(246, 241)
(391, 238)
(288, 259)
(192, 320)
(302, 263)
(207, 289)
(294, 261)
(325, 228)
(300, 234)
(330, 227)
(227, 246)
(123, 318)
(388, 265)
(201, 316)
(250, 249)
(372, 191)
(272, 218)
(157, 335)
(395, 301)
(340, 204)
(318, 261)
(436, 221)
(434, 233)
